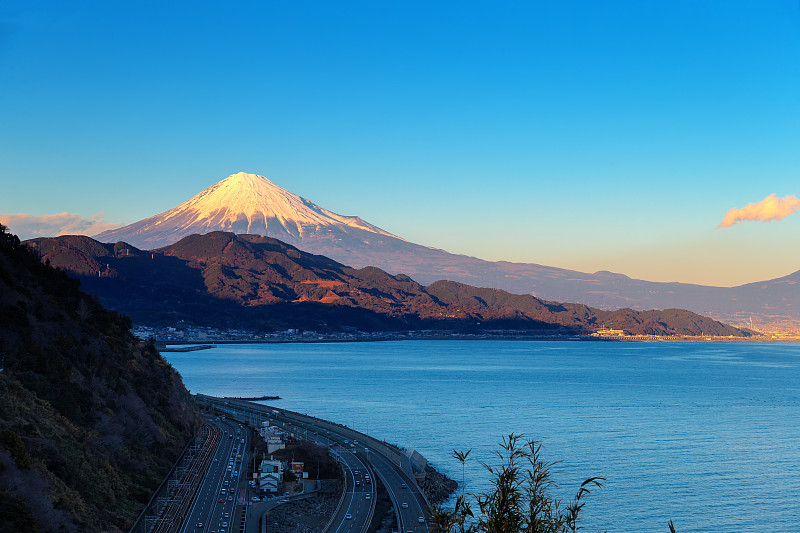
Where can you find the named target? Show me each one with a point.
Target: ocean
(704, 434)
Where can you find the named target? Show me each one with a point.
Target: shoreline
(193, 345)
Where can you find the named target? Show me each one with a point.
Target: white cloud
(29, 226)
(769, 209)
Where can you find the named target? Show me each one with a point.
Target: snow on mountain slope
(241, 203)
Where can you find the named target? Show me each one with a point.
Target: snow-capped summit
(260, 202)
(242, 203)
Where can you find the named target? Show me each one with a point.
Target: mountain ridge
(222, 278)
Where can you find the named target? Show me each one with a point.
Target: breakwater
(192, 348)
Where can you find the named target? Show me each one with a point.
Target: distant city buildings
(185, 333)
(608, 332)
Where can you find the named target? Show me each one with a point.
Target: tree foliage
(520, 499)
(16, 448)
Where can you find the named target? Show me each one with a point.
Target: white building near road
(269, 482)
(271, 466)
(274, 444)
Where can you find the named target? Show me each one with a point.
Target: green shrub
(11, 442)
(520, 499)
(15, 515)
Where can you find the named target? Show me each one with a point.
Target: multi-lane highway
(355, 513)
(214, 508)
(360, 453)
(408, 501)
(410, 506)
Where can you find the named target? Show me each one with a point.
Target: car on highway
(368, 497)
(348, 516)
(199, 525)
(404, 506)
(403, 486)
(421, 519)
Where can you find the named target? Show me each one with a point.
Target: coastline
(192, 345)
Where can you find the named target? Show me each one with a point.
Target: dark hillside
(90, 419)
(253, 282)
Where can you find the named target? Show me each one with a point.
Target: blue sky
(590, 135)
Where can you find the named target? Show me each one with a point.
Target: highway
(410, 506)
(224, 486)
(408, 502)
(359, 499)
(406, 497)
(354, 514)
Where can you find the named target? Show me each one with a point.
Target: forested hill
(90, 419)
(249, 281)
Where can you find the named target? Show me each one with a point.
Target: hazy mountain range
(255, 282)
(248, 203)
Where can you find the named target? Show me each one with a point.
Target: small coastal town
(188, 334)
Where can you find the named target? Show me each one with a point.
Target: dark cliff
(90, 418)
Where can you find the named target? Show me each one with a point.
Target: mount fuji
(242, 203)
(252, 204)
(246, 203)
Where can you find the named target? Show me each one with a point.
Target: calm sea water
(707, 435)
